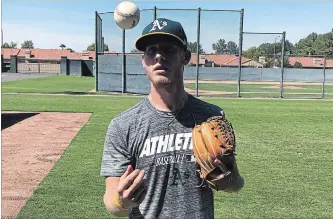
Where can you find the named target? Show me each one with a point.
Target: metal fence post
(240, 51)
(38, 67)
(155, 13)
(124, 65)
(103, 44)
(282, 63)
(198, 51)
(96, 52)
(324, 78)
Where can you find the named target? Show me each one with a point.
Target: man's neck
(169, 99)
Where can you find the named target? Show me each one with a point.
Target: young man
(148, 157)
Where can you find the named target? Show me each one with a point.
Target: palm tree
(62, 46)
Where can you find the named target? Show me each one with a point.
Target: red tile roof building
(311, 62)
(223, 60)
(45, 54)
(214, 60)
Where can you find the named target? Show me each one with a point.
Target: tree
(305, 45)
(220, 47)
(268, 48)
(298, 65)
(271, 51)
(5, 45)
(288, 47)
(28, 44)
(285, 62)
(315, 44)
(192, 47)
(269, 63)
(251, 53)
(232, 48)
(91, 47)
(11, 45)
(70, 49)
(62, 46)
(322, 45)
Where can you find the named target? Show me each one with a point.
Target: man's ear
(142, 59)
(187, 57)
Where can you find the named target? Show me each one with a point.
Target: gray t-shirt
(160, 143)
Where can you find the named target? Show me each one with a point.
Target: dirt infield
(291, 87)
(208, 92)
(31, 144)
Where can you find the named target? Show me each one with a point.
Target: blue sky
(51, 23)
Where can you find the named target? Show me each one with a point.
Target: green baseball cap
(162, 29)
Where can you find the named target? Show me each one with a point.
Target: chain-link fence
(308, 77)
(119, 63)
(265, 67)
(262, 71)
(120, 68)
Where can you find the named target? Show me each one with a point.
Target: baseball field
(262, 89)
(284, 151)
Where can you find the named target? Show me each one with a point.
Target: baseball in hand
(127, 15)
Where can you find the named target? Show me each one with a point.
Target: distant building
(49, 60)
(44, 55)
(223, 60)
(311, 62)
(42, 60)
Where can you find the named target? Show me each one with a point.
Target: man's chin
(161, 82)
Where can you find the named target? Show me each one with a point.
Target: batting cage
(226, 61)
(118, 63)
(262, 69)
(304, 82)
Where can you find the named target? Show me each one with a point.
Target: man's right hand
(131, 189)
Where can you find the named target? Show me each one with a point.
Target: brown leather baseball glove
(214, 146)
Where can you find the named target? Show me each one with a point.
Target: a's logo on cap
(156, 24)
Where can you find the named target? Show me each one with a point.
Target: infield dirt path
(30, 148)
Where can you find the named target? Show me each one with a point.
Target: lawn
(262, 90)
(61, 84)
(284, 152)
(53, 84)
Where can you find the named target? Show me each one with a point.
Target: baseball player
(148, 158)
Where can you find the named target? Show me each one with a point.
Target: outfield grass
(52, 84)
(284, 152)
(264, 90)
(61, 84)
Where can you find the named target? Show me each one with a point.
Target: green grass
(284, 152)
(73, 189)
(262, 90)
(53, 84)
(62, 84)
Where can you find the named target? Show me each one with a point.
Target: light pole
(274, 50)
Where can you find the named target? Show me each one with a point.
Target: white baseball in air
(127, 15)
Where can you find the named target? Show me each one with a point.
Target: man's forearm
(113, 208)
